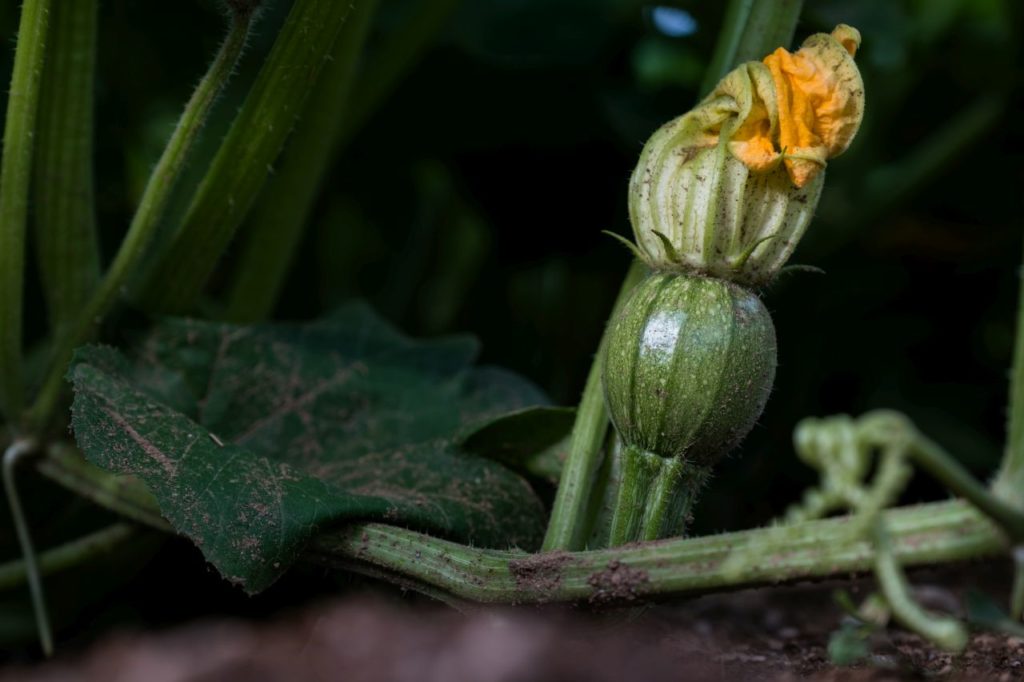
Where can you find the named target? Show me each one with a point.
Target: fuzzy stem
(15, 172)
(67, 247)
(666, 498)
(16, 573)
(567, 526)
(751, 30)
(147, 217)
(640, 473)
(243, 161)
(926, 534)
(676, 490)
(18, 451)
(923, 534)
(654, 498)
(283, 209)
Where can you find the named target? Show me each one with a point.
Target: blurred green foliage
(474, 196)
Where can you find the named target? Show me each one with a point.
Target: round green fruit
(688, 366)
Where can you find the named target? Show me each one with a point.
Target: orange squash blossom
(819, 103)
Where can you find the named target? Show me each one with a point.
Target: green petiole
(15, 173)
(147, 217)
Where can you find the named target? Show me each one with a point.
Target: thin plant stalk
(242, 163)
(69, 555)
(284, 206)
(67, 247)
(147, 217)
(567, 526)
(13, 456)
(15, 173)
(936, 461)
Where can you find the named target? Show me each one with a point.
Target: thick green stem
(927, 534)
(65, 214)
(751, 30)
(640, 472)
(1010, 483)
(244, 159)
(655, 495)
(567, 526)
(69, 555)
(283, 209)
(15, 172)
(18, 451)
(675, 492)
(727, 48)
(924, 534)
(147, 217)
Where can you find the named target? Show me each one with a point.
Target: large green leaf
(254, 438)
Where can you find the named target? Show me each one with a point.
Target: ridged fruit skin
(688, 367)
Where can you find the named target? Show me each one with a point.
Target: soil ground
(775, 633)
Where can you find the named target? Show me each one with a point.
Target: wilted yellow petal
(820, 99)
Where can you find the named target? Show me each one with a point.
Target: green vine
(15, 173)
(243, 161)
(146, 220)
(283, 209)
(69, 555)
(64, 196)
(923, 534)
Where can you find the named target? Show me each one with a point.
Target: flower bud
(728, 189)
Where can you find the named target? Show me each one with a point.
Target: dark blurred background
(474, 197)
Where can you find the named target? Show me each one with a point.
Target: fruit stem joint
(728, 189)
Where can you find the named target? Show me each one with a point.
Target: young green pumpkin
(718, 201)
(689, 364)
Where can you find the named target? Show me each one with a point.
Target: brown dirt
(616, 584)
(777, 634)
(539, 572)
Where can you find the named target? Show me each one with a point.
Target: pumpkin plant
(342, 442)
